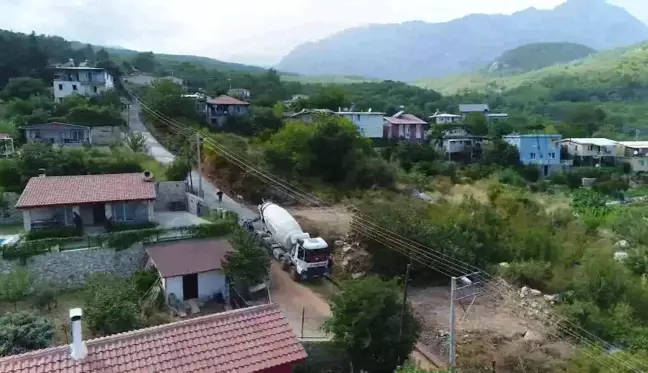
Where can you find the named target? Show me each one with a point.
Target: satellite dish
(148, 175)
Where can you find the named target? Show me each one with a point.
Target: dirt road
(296, 300)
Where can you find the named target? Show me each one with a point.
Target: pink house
(405, 126)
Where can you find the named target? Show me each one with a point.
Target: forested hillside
(537, 56)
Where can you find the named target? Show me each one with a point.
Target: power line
(390, 239)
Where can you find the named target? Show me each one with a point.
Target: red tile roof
(186, 257)
(73, 190)
(405, 119)
(243, 341)
(226, 100)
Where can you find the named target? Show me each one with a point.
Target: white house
(87, 200)
(369, 123)
(191, 269)
(590, 147)
(80, 80)
(445, 118)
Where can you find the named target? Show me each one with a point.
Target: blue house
(542, 150)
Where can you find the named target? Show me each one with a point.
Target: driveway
(154, 148)
(176, 219)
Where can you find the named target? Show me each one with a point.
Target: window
(642, 162)
(94, 89)
(77, 135)
(552, 155)
(125, 212)
(406, 130)
(74, 87)
(532, 155)
(60, 87)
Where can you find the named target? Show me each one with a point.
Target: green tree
(329, 97)
(22, 332)
(102, 55)
(371, 324)
(144, 62)
(111, 305)
(136, 142)
(14, 286)
(94, 116)
(165, 97)
(23, 88)
(248, 263)
(178, 169)
(501, 153)
(477, 124)
(89, 53)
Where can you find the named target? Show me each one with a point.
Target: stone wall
(69, 270)
(13, 215)
(168, 192)
(105, 135)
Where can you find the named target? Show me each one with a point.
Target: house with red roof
(87, 200)
(222, 107)
(248, 340)
(405, 126)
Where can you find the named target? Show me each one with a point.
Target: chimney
(41, 172)
(78, 350)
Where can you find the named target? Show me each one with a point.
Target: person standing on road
(220, 196)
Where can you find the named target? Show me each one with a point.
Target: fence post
(302, 321)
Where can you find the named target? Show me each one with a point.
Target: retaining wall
(169, 191)
(105, 135)
(70, 269)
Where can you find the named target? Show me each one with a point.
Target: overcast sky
(248, 31)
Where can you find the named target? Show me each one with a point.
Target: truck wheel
(285, 265)
(293, 274)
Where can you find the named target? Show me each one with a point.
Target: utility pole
(402, 322)
(200, 188)
(469, 283)
(453, 289)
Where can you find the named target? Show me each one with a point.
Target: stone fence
(69, 270)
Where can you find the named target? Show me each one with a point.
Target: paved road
(154, 148)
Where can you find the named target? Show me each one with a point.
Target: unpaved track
(295, 298)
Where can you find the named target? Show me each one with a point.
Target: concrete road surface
(154, 148)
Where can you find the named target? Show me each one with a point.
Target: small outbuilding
(192, 269)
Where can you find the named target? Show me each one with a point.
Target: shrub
(119, 227)
(111, 305)
(21, 332)
(143, 279)
(45, 297)
(55, 232)
(535, 274)
(511, 177)
(530, 173)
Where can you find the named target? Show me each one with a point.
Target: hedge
(116, 240)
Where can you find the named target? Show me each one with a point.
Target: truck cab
(310, 259)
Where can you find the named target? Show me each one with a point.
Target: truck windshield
(318, 255)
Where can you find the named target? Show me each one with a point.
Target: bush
(111, 305)
(21, 332)
(534, 274)
(57, 232)
(477, 171)
(530, 173)
(511, 177)
(45, 297)
(120, 227)
(143, 279)
(178, 169)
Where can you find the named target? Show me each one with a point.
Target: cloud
(226, 28)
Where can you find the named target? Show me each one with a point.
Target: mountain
(537, 56)
(415, 50)
(615, 71)
(206, 62)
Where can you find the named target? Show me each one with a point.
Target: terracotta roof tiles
(243, 341)
(226, 100)
(73, 190)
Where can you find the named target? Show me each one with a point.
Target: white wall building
(84, 81)
(369, 123)
(191, 269)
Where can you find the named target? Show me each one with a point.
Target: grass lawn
(58, 315)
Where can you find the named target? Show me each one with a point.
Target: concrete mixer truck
(303, 256)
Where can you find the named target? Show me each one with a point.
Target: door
(546, 171)
(99, 213)
(190, 286)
